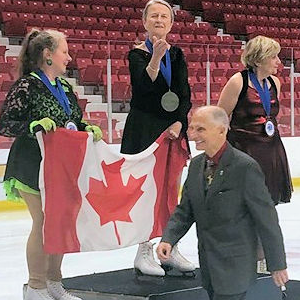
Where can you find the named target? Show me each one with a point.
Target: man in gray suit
(225, 194)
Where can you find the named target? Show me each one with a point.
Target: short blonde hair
(151, 2)
(257, 49)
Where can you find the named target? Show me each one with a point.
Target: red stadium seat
(228, 40)
(117, 63)
(36, 6)
(7, 16)
(114, 35)
(91, 47)
(50, 7)
(214, 97)
(91, 75)
(114, 78)
(6, 85)
(214, 39)
(99, 34)
(15, 27)
(129, 36)
(199, 98)
(82, 63)
(187, 37)
(174, 37)
(221, 80)
(5, 4)
(100, 62)
(226, 51)
(127, 12)
(112, 10)
(120, 91)
(18, 6)
(202, 39)
(198, 87)
(81, 10)
(124, 78)
(195, 65)
(198, 49)
(224, 65)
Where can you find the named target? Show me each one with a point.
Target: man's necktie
(209, 172)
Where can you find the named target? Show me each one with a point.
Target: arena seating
(99, 29)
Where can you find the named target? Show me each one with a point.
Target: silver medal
(269, 128)
(71, 126)
(169, 101)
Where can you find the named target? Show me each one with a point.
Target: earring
(49, 61)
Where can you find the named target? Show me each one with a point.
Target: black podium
(124, 284)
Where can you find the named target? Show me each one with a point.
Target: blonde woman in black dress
(160, 102)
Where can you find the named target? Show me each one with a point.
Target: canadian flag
(96, 199)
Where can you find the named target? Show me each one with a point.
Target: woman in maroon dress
(251, 98)
(253, 126)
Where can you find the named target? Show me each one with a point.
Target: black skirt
(141, 130)
(24, 162)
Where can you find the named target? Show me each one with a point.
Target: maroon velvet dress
(247, 133)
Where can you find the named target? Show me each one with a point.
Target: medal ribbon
(165, 69)
(58, 92)
(264, 93)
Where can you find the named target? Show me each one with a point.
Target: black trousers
(209, 289)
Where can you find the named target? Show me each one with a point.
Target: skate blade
(174, 272)
(140, 274)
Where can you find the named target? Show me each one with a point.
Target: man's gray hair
(218, 114)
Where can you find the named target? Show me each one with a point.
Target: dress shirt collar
(216, 158)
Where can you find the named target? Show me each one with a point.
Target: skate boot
(56, 289)
(37, 294)
(178, 262)
(144, 263)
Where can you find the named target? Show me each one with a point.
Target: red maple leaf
(114, 201)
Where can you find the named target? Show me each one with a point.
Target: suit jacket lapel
(220, 173)
(200, 178)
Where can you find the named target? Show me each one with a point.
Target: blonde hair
(257, 49)
(151, 2)
(31, 55)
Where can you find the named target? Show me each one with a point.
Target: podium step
(125, 285)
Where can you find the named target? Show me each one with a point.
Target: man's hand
(163, 251)
(280, 277)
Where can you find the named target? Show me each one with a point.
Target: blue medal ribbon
(58, 92)
(264, 93)
(165, 69)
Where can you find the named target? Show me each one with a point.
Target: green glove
(46, 123)
(97, 133)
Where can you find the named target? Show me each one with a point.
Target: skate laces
(176, 254)
(147, 248)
